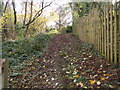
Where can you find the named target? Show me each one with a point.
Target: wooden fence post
(108, 32)
(115, 34)
(99, 29)
(111, 33)
(102, 31)
(100, 39)
(119, 34)
(105, 49)
(3, 73)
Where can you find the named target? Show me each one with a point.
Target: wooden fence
(101, 27)
(3, 73)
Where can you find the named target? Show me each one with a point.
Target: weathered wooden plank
(111, 33)
(118, 32)
(115, 33)
(96, 29)
(105, 44)
(102, 35)
(100, 30)
(118, 13)
(108, 33)
(95, 25)
(100, 40)
(99, 35)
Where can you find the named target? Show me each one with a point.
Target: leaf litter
(67, 63)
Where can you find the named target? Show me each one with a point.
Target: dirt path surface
(69, 63)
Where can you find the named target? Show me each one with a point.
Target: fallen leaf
(90, 56)
(105, 75)
(99, 71)
(75, 72)
(76, 76)
(98, 87)
(80, 83)
(98, 82)
(52, 78)
(102, 79)
(74, 80)
(10, 52)
(37, 59)
(67, 72)
(33, 67)
(92, 81)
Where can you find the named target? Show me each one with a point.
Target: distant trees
(63, 16)
(16, 24)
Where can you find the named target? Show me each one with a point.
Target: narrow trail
(66, 55)
(69, 63)
(55, 63)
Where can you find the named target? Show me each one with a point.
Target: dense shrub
(25, 48)
(63, 30)
(69, 29)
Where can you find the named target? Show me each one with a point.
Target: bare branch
(38, 14)
(6, 6)
(39, 10)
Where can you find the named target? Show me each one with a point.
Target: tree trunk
(25, 13)
(31, 9)
(15, 20)
(26, 33)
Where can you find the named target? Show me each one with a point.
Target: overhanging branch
(38, 13)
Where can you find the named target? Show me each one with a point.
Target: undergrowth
(25, 50)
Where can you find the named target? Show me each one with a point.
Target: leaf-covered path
(69, 63)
